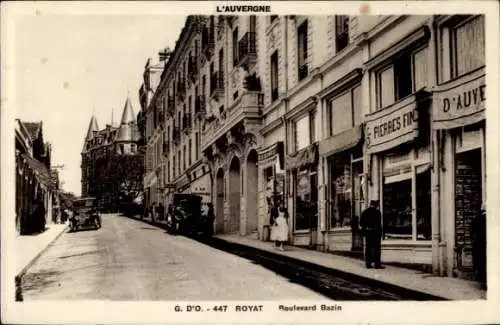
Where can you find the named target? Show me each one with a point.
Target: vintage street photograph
(249, 156)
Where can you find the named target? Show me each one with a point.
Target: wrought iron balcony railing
(247, 49)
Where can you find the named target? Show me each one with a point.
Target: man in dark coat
(371, 227)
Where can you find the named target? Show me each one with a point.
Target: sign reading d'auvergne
(460, 102)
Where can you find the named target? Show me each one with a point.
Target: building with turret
(103, 154)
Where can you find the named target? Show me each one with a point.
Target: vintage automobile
(184, 215)
(85, 214)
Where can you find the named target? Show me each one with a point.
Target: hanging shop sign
(460, 102)
(395, 125)
(268, 155)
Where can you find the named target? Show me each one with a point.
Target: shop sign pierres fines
(460, 102)
(392, 126)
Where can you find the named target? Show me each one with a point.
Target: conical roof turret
(127, 128)
(92, 127)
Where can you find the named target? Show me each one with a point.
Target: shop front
(272, 174)
(459, 123)
(302, 167)
(345, 189)
(399, 176)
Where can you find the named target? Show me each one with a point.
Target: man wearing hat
(371, 227)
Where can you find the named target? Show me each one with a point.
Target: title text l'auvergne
(243, 9)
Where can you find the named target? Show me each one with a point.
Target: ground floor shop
(460, 137)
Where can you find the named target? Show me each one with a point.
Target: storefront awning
(303, 158)
(40, 171)
(460, 102)
(268, 155)
(341, 141)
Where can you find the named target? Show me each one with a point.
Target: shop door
(468, 199)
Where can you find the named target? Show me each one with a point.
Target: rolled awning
(341, 141)
(303, 158)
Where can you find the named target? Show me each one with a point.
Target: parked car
(184, 215)
(86, 214)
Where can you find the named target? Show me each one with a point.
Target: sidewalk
(30, 247)
(445, 287)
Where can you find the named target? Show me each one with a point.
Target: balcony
(207, 41)
(181, 89)
(186, 123)
(171, 107)
(176, 136)
(217, 85)
(192, 69)
(166, 148)
(303, 71)
(199, 106)
(247, 50)
(247, 108)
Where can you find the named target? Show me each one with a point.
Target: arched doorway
(219, 202)
(234, 196)
(251, 193)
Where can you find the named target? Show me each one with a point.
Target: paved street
(130, 260)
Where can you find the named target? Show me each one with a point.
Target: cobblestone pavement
(129, 260)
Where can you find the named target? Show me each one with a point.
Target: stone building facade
(327, 113)
(103, 147)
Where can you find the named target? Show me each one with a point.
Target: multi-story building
(102, 153)
(150, 128)
(327, 113)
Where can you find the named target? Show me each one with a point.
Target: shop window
(306, 200)
(404, 76)
(274, 76)
(397, 216)
(468, 39)
(302, 133)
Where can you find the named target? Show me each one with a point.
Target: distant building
(36, 184)
(102, 152)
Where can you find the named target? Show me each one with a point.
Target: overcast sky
(67, 65)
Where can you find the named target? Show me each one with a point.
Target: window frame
(274, 76)
(302, 44)
(453, 44)
(411, 51)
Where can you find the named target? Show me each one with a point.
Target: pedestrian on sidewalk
(371, 227)
(279, 231)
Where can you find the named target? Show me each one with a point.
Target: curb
(415, 294)
(418, 295)
(37, 256)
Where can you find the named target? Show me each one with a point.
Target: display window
(406, 197)
(306, 200)
(345, 191)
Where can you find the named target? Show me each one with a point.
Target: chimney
(164, 54)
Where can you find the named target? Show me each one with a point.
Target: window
(189, 147)
(235, 47)
(345, 111)
(302, 133)
(253, 24)
(133, 148)
(179, 162)
(306, 200)
(273, 18)
(302, 50)
(406, 75)
(341, 32)
(406, 198)
(196, 145)
(173, 166)
(184, 157)
(274, 76)
(469, 46)
(221, 61)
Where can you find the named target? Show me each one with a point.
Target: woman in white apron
(279, 231)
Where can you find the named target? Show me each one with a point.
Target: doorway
(234, 196)
(251, 192)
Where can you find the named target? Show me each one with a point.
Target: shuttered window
(469, 39)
